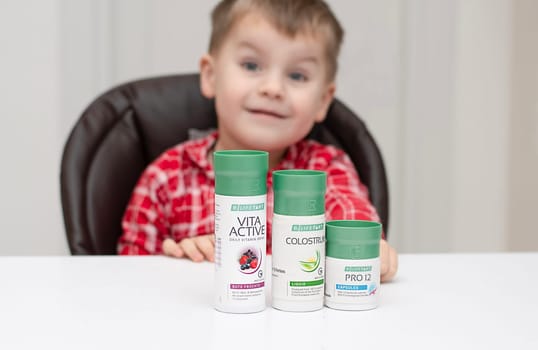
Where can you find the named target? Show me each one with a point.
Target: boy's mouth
(266, 112)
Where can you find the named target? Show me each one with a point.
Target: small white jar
(352, 271)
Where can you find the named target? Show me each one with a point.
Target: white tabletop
(441, 301)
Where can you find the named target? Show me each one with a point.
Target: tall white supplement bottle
(240, 230)
(298, 240)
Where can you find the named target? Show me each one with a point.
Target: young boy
(271, 69)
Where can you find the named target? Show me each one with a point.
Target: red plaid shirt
(174, 196)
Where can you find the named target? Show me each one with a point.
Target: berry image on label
(249, 261)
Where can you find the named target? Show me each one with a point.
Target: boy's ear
(207, 76)
(326, 100)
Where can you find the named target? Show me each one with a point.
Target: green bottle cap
(299, 192)
(352, 239)
(241, 173)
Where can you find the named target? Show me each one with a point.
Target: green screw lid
(352, 239)
(240, 172)
(299, 192)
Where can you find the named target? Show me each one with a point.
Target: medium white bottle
(298, 240)
(240, 230)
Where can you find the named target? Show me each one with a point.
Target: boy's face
(269, 88)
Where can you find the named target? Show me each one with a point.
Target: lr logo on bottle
(311, 206)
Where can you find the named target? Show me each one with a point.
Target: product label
(240, 250)
(298, 257)
(352, 281)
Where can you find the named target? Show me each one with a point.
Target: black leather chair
(126, 128)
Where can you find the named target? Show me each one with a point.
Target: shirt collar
(200, 150)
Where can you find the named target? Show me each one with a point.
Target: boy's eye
(250, 66)
(298, 76)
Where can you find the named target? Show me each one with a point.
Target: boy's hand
(197, 248)
(389, 261)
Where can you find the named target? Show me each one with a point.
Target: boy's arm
(347, 199)
(146, 226)
(144, 222)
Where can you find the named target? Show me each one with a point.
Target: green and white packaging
(352, 264)
(240, 230)
(298, 240)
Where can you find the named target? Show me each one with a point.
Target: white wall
(523, 164)
(456, 108)
(432, 79)
(480, 125)
(29, 128)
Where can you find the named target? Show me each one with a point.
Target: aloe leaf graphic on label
(311, 264)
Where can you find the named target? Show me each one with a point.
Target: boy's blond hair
(291, 17)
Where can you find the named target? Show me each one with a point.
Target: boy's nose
(271, 86)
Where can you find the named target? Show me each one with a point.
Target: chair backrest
(127, 127)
